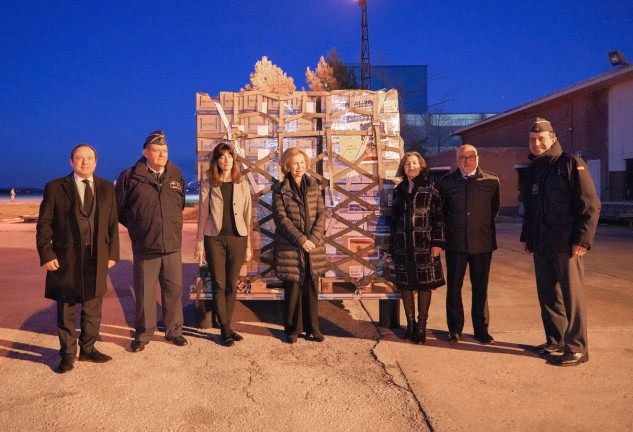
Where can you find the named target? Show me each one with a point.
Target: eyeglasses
(467, 158)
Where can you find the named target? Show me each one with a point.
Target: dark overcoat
(470, 207)
(289, 213)
(58, 237)
(416, 227)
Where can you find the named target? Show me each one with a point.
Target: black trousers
(225, 256)
(559, 282)
(90, 323)
(479, 266)
(301, 307)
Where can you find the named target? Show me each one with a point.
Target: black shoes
(137, 346)
(571, 359)
(485, 339)
(178, 340)
(548, 349)
(236, 337)
(317, 337)
(420, 336)
(454, 337)
(94, 357)
(410, 332)
(228, 341)
(291, 338)
(68, 360)
(67, 363)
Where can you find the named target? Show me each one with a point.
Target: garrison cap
(156, 137)
(541, 125)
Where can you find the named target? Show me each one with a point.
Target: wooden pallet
(249, 119)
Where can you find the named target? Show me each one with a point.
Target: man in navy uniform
(559, 224)
(151, 198)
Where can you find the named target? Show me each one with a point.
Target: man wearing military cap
(151, 198)
(561, 215)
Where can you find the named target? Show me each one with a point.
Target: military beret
(541, 125)
(156, 137)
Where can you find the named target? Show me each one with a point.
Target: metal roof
(606, 79)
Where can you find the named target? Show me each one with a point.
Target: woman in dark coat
(299, 213)
(417, 237)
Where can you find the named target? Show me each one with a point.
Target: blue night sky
(109, 72)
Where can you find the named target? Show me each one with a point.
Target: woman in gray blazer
(224, 232)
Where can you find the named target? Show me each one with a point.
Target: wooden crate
(352, 138)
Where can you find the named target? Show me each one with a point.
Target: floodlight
(617, 58)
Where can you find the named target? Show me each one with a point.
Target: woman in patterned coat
(417, 237)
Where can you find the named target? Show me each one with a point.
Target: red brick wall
(580, 122)
(501, 161)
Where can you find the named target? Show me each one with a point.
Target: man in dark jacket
(78, 241)
(151, 198)
(470, 203)
(561, 215)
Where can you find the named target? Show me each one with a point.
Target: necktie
(88, 197)
(157, 175)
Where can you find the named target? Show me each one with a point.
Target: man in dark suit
(78, 241)
(470, 203)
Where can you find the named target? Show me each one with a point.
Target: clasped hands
(308, 246)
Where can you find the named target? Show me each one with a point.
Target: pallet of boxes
(353, 140)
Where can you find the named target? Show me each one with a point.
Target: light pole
(365, 65)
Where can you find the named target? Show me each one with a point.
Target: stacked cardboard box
(352, 138)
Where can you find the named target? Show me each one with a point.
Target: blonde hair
(289, 154)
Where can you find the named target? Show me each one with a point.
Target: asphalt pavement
(363, 377)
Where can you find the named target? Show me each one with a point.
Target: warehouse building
(593, 119)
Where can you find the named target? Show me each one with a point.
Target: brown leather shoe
(67, 363)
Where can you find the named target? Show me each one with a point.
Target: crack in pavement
(397, 368)
(253, 370)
